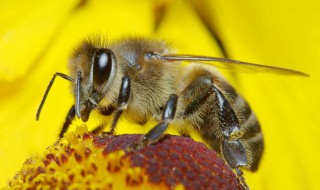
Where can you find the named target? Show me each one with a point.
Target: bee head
(93, 69)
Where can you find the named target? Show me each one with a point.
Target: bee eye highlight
(102, 65)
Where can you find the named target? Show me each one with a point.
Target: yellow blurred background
(37, 37)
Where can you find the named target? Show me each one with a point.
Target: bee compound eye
(102, 65)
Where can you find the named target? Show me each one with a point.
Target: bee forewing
(232, 64)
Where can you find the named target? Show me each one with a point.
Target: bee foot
(240, 177)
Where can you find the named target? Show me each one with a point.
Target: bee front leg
(123, 99)
(70, 117)
(168, 114)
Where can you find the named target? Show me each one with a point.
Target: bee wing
(230, 64)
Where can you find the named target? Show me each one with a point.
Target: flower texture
(37, 38)
(85, 161)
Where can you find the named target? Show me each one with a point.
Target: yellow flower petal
(21, 97)
(270, 32)
(25, 35)
(188, 35)
(284, 34)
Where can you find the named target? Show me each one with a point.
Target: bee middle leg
(123, 99)
(168, 114)
(106, 111)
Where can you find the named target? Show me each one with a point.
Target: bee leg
(123, 100)
(232, 148)
(106, 111)
(241, 178)
(70, 117)
(168, 114)
(98, 129)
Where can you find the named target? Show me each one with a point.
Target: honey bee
(141, 78)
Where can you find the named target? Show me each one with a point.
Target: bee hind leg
(229, 144)
(232, 148)
(241, 178)
(168, 114)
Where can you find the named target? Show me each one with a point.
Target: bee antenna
(78, 95)
(64, 76)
